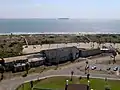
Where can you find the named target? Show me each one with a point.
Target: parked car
(115, 69)
(93, 67)
(108, 69)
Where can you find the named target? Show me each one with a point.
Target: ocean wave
(78, 33)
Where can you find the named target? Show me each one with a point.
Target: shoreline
(78, 33)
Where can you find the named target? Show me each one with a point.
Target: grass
(59, 82)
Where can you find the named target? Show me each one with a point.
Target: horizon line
(68, 18)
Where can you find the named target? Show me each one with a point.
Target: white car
(115, 69)
(93, 67)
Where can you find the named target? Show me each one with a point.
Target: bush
(24, 75)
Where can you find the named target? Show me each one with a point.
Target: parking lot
(96, 67)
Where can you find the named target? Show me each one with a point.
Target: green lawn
(59, 83)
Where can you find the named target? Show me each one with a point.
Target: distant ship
(63, 18)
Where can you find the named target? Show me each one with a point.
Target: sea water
(56, 25)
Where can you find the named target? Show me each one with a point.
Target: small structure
(19, 67)
(10, 62)
(18, 63)
(109, 49)
(35, 62)
(89, 52)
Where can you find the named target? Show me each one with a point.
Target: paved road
(15, 82)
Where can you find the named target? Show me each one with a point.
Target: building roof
(54, 49)
(82, 49)
(35, 59)
(20, 64)
(104, 49)
(11, 59)
(18, 58)
(77, 87)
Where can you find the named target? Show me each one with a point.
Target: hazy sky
(60, 8)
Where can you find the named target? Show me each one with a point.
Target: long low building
(19, 62)
(10, 62)
(59, 55)
(89, 52)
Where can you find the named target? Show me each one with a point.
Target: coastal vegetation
(12, 45)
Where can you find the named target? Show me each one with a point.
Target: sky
(88, 9)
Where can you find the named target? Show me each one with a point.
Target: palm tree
(72, 72)
(31, 84)
(93, 45)
(2, 62)
(88, 76)
(41, 44)
(11, 35)
(86, 66)
(107, 87)
(2, 70)
(99, 43)
(114, 56)
(27, 67)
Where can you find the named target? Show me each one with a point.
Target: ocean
(56, 25)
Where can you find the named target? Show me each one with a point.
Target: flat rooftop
(17, 58)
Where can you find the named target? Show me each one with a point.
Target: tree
(31, 84)
(72, 72)
(27, 67)
(2, 61)
(86, 62)
(88, 76)
(41, 44)
(86, 66)
(11, 35)
(80, 77)
(114, 53)
(2, 69)
(99, 43)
